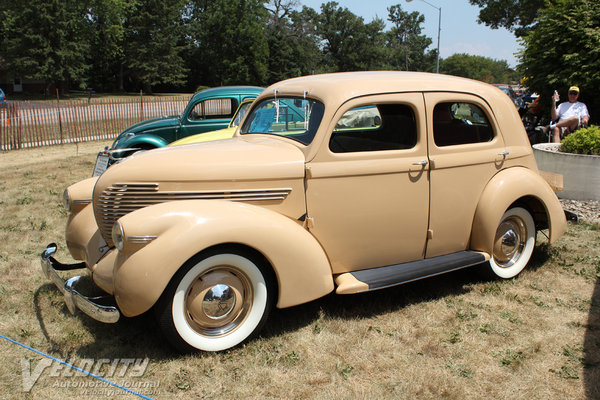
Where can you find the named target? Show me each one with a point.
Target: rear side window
(213, 109)
(374, 128)
(460, 123)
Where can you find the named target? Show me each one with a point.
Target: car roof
(339, 87)
(229, 91)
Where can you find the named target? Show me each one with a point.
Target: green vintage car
(207, 111)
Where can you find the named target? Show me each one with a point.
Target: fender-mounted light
(118, 236)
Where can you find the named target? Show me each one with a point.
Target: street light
(437, 62)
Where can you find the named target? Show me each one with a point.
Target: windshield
(240, 113)
(292, 117)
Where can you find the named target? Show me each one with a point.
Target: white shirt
(567, 110)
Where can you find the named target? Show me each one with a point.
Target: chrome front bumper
(74, 299)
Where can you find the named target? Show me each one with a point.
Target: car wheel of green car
(513, 243)
(215, 302)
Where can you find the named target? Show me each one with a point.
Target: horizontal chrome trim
(81, 202)
(141, 239)
(122, 198)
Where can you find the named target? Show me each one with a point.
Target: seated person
(570, 115)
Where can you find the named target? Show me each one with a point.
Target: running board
(379, 278)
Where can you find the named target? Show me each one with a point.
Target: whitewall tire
(215, 302)
(513, 243)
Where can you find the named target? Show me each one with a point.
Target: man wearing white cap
(570, 115)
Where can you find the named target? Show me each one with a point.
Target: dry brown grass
(452, 337)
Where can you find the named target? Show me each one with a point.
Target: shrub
(582, 141)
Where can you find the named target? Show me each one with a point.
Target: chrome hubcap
(218, 301)
(510, 241)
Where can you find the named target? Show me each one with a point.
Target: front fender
(143, 141)
(184, 228)
(504, 189)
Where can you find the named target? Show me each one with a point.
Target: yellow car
(225, 133)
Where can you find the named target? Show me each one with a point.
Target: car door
(465, 151)
(367, 189)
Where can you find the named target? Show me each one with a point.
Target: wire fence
(26, 124)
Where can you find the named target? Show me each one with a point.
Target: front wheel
(215, 302)
(513, 243)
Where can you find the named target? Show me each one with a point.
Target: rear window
(456, 123)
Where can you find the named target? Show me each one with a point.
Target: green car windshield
(291, 117)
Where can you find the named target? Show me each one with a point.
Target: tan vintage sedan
(349, 182)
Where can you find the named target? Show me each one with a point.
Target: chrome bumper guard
(74, 299)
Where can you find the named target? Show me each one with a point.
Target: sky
(460, 31)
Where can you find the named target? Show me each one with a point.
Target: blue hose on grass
(78, 369)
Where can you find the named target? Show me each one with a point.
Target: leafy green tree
(153, 43)
(293, 45)
(45, 40)
(227, 42)
(407, 46)
(517, 16)
(348, 44)
(106, 20)
(564, 50)
(307, 41)
(477, 67)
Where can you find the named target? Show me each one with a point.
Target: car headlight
(67, 200)
(118, 235)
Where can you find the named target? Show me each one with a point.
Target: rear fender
(185, 228)
(506, 188)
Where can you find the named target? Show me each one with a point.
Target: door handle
(421, 163)
(504, 153)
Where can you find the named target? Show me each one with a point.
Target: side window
(213, 109)
(375, 127)
(460, 123)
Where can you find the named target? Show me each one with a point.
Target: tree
(293, 44)
(564, 50)
(408, 48)
(348, 44)
(153, 44)
(106, 20)
(226, 40)
(477, 67)
(45, 40)
(517, 16)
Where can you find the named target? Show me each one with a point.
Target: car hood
(230, 160)
(225, 133)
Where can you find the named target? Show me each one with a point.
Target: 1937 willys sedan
(349, 182)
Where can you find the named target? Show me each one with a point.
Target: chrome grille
(122, 198)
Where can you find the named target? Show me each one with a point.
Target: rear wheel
(215, 302)
(513, 243)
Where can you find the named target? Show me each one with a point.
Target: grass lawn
(450, 337)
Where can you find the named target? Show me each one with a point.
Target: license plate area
(101, 164)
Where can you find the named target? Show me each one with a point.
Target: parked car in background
(208, 110)
(350, 182)
(225, 133)
(510, 93)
